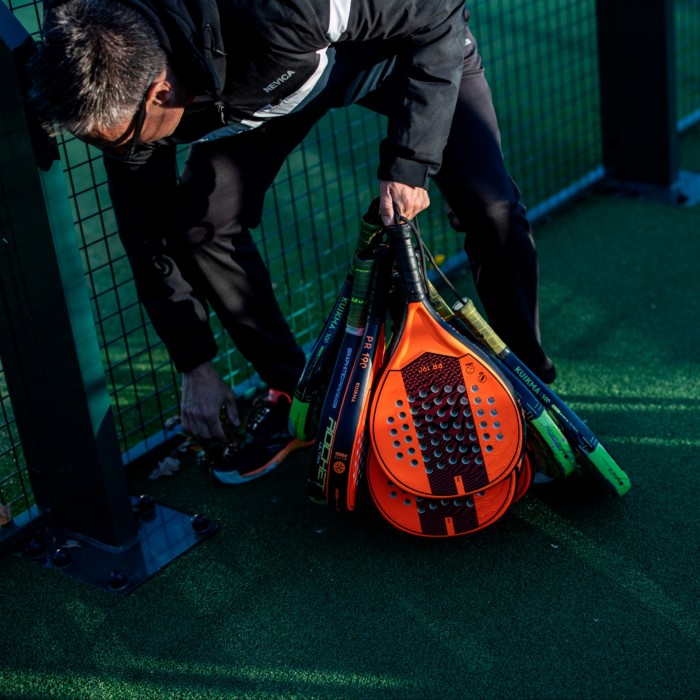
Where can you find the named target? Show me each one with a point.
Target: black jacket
(263, 59)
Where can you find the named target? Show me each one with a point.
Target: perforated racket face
(438, 517)
(445, 426)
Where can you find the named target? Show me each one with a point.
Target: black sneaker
(265, 445)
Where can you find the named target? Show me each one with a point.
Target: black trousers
(224, 182)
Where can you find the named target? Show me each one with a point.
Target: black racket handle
(407, 263)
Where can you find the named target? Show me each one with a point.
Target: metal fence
(541, 61)
(687, 61)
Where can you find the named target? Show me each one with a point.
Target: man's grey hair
(95, 62)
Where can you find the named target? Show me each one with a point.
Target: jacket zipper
(219, 105)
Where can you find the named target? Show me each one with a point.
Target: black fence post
(53, 367)
(636, 54)
(49, 346)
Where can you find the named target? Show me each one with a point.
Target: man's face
(157, 117)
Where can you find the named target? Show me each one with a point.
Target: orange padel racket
(443, 420)
(525, 473)
(438, 517)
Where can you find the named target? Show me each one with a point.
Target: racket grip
(479, 327)
(370, 228)
(357, 312)
(407, 263)
(439, 304)
(602, 467)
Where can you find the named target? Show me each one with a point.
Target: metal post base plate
(163, 535)
(684, 192)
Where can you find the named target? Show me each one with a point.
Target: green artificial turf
(572, 594)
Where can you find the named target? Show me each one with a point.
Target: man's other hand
(204, 394)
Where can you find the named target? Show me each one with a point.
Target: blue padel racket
(554, 452)
(593, 458)
(348, 451)
(338, 382)
(310, 390)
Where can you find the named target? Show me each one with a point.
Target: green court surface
(574, 593)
